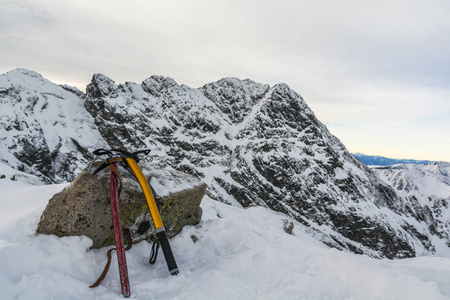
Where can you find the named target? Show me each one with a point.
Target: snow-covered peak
(438, 167)
(156, 85)
(21, 73)
(45, 128)
(425, 190)
(420, 180)
(235, 97)
(232, 88)
(284, 93)
(102, 86)
(23, 79)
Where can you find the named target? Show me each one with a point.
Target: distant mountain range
(371, 160)
(251, 143)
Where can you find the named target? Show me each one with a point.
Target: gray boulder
(83, 208)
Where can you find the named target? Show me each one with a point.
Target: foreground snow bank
(239, 254)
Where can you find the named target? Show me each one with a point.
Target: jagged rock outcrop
(255, 144)
(83, 208)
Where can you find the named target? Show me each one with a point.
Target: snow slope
(419, 180)
(426, 192)
(45, 129)
(240, 254)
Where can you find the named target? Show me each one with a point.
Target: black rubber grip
(170, 260)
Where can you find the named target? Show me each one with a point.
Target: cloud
(20, 17)
(358, 64)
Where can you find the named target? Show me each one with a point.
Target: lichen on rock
(83, 208)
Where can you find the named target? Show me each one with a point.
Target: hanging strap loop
(108, 262)
(154, 253)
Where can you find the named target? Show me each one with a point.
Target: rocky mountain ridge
(376, 160)
(425, 189)
(253, 144)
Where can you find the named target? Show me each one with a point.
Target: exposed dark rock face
(425, 191)
(253, 144)
(83, 208)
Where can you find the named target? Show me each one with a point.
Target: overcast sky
(377, 73)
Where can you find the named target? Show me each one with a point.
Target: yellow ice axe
(129, 160)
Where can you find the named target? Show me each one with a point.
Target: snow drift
(239, 253)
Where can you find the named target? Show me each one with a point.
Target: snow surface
(239, 254)
(19, 178)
